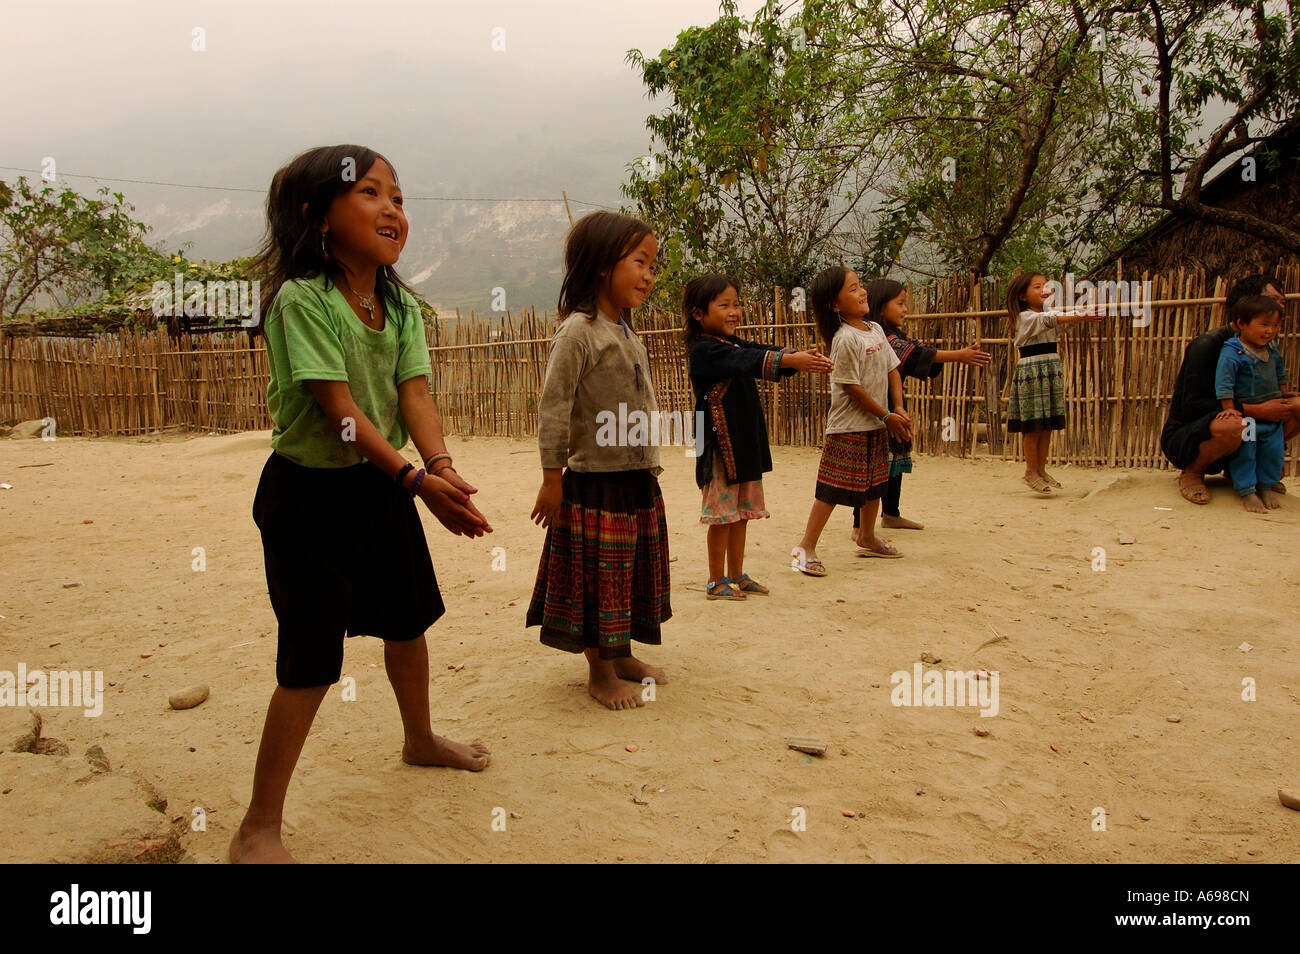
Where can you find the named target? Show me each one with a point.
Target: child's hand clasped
(899, 425)
(446, 494)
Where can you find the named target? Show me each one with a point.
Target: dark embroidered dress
(735, 449)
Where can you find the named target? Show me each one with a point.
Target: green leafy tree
(1237, 58)
(756, 164)
(68, 247)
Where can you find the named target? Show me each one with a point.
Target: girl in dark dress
(735, 455)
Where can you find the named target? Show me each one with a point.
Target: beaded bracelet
(415, 484)
(435, 458)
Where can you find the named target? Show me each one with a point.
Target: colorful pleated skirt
(854, 468)
(603, 579)
(1037, 401)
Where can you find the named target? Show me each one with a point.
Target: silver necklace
(367, 303)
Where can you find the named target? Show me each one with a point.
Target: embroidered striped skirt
(603, 579)
(1037, 400)
(854, 468)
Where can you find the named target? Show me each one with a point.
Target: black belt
(1045, 347)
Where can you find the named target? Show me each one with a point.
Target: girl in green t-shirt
(344, 548)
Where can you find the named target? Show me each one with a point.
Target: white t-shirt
(1036, 327)
(864, 358)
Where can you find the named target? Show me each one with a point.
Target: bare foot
(1253, 504)
(610, 691)
(636, 670)
(1271, 500)
(899, 523)
(435, 750)
(259, 846)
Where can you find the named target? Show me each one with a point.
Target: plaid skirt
(854, 468)
(1037, 395)
(603, 577)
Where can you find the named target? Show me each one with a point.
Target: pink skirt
(731, 503)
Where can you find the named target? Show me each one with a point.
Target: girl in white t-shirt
(854, 468)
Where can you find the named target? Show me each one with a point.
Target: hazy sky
(116, 89)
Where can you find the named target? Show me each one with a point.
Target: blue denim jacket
(1245, 377)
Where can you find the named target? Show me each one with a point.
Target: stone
(26, 430)
(188, 698)
(1289, 797)
(97, 759)
(811, 746)
(48, 746)
(930, 659)
(1173, 718)
(27, 741)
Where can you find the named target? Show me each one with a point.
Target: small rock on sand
(27, 741)
(1289, 797)
(981, 731)
(188, 698)
(1126, 538)
(26, 430)
(50, 747)
(1173, 718)
(631, 747)
(930, 659)
(97, 759)
(1144, 816)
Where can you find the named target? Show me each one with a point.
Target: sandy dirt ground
(1120, 690)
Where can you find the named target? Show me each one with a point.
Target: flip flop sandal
(1194, 492)
(1040, 485)
(1051, 481)
(887, 553)
(721, 590)
(799, 561)
(747, 584)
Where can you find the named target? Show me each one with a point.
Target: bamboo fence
(487, 374)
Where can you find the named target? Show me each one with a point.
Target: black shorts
(1181, 443)
(345, 555)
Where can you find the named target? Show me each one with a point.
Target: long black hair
(292, 245)
(1016, 297)
(879, 294)
(699, 294)
(826, 287)
(596, 243)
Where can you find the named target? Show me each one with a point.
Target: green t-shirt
(312, 334)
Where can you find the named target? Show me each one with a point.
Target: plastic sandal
(721, 590)
(886, 552)
(799, 561)
(747, 584)
(1038, 484)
